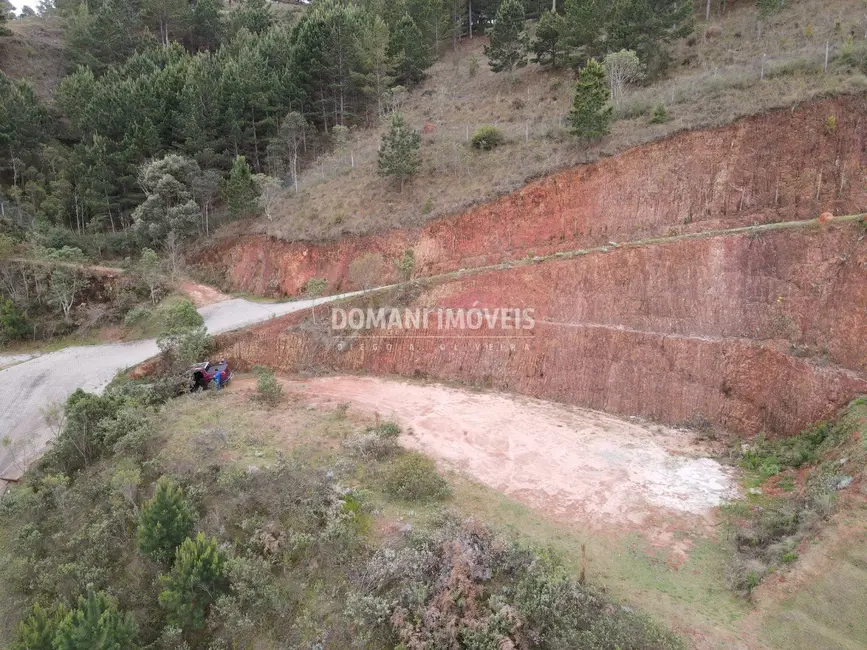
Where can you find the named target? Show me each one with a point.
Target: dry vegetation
(35, 52)
(735, 65)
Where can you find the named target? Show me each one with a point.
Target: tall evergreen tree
(645, 26)
(583, 21)
(409, 51)
(399, 152)
(590, 116)
(508, 48)
(548, 43)
(206, 24)
(377, 68)
(239, 191)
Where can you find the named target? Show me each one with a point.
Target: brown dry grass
(712, 81)
(35, 52)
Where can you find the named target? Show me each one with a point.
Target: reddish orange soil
(782, 166)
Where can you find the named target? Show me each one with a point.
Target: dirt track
(571, 462)
(31, 386)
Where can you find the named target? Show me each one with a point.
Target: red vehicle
(203, 374)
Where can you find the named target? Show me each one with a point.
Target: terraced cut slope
(782, 166)
(690, 281)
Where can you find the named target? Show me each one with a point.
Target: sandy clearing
(203, 295)
(571, 462)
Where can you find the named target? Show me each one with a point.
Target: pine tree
(399, 152)
(196, 579)
(644, 26)
(239, 190)
(377, 66)
(508, 48)
(409, 51)
(39, 630)
(582, 28)
(165, 521)
(96, 624)
(548, 44)
(206, 24)
(590, 116)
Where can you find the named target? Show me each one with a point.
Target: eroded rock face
(782, 166)
(752, 334)
(761, 331)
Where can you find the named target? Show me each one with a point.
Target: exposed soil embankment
(752, 332)
(782, 166)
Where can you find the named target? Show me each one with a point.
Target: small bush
(376, 442)
(268, 389)
(136, 315)
(660, 115)
(487, 138)
(315, 287)
(414, 477)
(473, 66)
(405, 264)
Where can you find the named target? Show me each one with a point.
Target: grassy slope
(35, 52)
(713, 80)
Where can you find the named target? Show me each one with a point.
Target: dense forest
(251, 88)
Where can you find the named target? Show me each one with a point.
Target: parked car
(203, 374)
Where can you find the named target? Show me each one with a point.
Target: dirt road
(30, 386)
(571, 462)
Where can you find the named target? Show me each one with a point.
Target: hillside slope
(737, 64)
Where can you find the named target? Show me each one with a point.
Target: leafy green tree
(165, 522)
(150, 272)
(399, 155)
(102, 35)
(621, 68)
(96, 624)
(548, 43)
(239, 190)
(645, 26)
(409, 51)
(169, 206)
(196, 579)
(39, 630)
(590, 117)
(508, 48)
(180, 316)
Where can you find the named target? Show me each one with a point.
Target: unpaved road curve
(574, 463)
(27, 388)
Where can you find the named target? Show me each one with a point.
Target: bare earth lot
(570, 462)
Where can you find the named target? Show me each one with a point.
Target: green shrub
(165, 522)
(487, 138)
(180, 316)
(376, 442)
(196, 580)
(405, 264)
(136, 315)
(414, 477)
(268, 389)
(13, 323)
(660, 115)
(315, 287)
